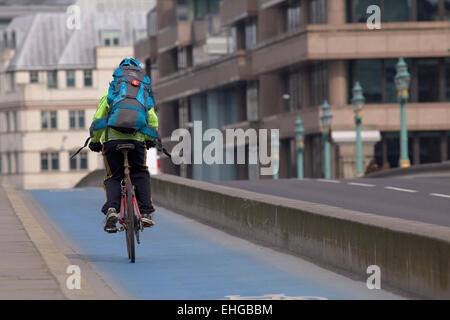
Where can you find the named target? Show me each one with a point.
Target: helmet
(130, 62)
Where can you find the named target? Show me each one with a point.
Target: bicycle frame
(128, 198)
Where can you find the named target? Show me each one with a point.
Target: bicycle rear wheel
(130, 222)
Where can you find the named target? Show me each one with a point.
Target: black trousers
(140, 177)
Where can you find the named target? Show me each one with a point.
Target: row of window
(50, 161)
(49, 119)
(400, 10)
(430, 79)
(52, 78)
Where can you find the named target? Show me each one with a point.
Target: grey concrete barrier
(93, 179)
(413, 257)
(418, 171)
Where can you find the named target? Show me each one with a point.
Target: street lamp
(358, 101)
(402, 80)
(326, 132)
(300, 144)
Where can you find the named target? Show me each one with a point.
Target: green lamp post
(326, 132)
(402, 81)
(358, 101)
(300, 145)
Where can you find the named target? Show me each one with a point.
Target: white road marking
(401, 189)
(362, 184)
(329, 181)
(440, 195)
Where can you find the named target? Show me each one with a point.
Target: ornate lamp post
(402, 81)
(326, 132)
(300, 144)
(358, 101)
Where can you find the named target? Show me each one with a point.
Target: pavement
(424, 200)
(23, 272)
(183, 259)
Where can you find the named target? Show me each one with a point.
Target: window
(15, 121)
(293, 90)
(318, 12)
(152, 23)
(80, 162)
(49, 120)
(44, 162)
(390, 90)
(12, 81)
(70, 78)
(250, 34)
(369, 74)
(8, 122)
(55, 160)
(111, 37)
(318, 75)
(293, 14)
(200, 8)
(430, 147)
(76, 119)
(182, 10)
(83, 160)
(203, 7)
(234, 39)
(447, 79)
(428, 78)
(447, 9)
(88, 78)
(396, 11)
(17, 163)
(34, 77)
(52, 81)
(428, 10)
(182, 59)
(140, 35)
(8, 158)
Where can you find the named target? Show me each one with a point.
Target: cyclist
(113, 160)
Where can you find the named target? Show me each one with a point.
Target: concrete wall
(414, 257)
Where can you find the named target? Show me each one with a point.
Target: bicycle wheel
(130, 221)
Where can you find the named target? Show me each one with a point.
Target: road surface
(182, 259)
(424, 200)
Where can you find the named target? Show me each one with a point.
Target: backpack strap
(79, 150)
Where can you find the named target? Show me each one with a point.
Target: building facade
(262, 63)
(51, 79)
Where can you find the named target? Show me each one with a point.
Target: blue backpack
(129, 99)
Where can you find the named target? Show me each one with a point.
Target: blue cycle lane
(180, 258)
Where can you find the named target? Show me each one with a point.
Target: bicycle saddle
(128, 146)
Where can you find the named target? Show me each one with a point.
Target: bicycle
(131, 223)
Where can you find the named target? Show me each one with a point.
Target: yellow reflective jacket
(102, 111)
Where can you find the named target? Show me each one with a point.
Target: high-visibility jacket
(102, 111)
